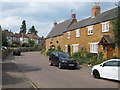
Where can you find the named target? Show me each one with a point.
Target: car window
(111, 63)
(55, 53)
(118, 63)
(63, 55)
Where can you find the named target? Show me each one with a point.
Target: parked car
(62, 60)
(108, 69)
(3, 48)
(16, 52)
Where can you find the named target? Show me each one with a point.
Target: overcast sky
(43, 14)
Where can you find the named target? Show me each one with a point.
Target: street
(36, 68)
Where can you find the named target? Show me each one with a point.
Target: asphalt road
(36, 68)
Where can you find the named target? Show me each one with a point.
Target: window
(66, 48)
(105, 27)
(68, 35)
(111, 63)
(75, 48)
(90, 30)
(94, 47)
(51, 39)
(77, 33)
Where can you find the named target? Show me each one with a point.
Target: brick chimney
(73, 15)
(95, 10)
(55, 23)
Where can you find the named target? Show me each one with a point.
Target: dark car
(16, 52)
(62, 60)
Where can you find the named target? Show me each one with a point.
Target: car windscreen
(63, 55)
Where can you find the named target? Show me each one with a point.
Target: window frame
(105, 26)
(74, 49)
(77, 32)
(94, 47)
(68, 35)
(90, 30)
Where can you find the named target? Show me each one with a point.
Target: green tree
(4, 40)
(116, 29)
(32, 30)
(23, 27)
(31, 42)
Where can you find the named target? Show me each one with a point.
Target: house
(39, 41)
(92, 34)
(10, 36)
(55, 37)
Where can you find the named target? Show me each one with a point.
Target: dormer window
(68, 35)
(77, 33)
(105, 26)
(90, 30)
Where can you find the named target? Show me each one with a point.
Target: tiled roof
(33, 36)
(105, 16)
(8, 33)
(60, 28)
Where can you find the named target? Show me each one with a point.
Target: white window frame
(94, 47)
(68, 35)
(66, 48)
(75, 47)
(90, 30)
(51, 39)
(105, 26)
(77, 33)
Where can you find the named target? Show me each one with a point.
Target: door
(109, 70)
(109, 52)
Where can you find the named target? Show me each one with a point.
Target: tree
(32, 30)
(4, 40)
(31, 42)
(116, 29)
(23, 27)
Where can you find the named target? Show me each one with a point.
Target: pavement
(12, 77)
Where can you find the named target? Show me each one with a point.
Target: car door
(56, 58)
(109, 70)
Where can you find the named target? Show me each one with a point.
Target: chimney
(73, 15)
(55, 23)
(95, 10)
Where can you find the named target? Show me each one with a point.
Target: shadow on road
(10, 79)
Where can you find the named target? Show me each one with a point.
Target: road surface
(36, 68)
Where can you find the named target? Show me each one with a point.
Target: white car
(109, 69)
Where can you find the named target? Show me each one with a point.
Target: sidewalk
(12, 77)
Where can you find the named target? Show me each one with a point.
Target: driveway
(36, 68)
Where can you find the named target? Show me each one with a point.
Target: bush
(115, 57)
(13, 45)
(77, 54)
(25, 45)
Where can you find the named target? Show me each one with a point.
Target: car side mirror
(101, 65)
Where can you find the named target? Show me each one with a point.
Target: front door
(109, 52)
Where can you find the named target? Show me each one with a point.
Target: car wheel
(96, 74)
(59, 65)
(50, 63)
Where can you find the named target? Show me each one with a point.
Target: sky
(42, 15)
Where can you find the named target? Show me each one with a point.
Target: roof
(107, 38)
(8, 33)
(105, 16)
(60, 28)
(34, 36)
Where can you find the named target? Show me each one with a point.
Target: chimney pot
(73, 15)
(95, 10)
(55, 23)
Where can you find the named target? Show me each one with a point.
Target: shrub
(115, 57)
(76, 54)
(25, 45)
(13, 45)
